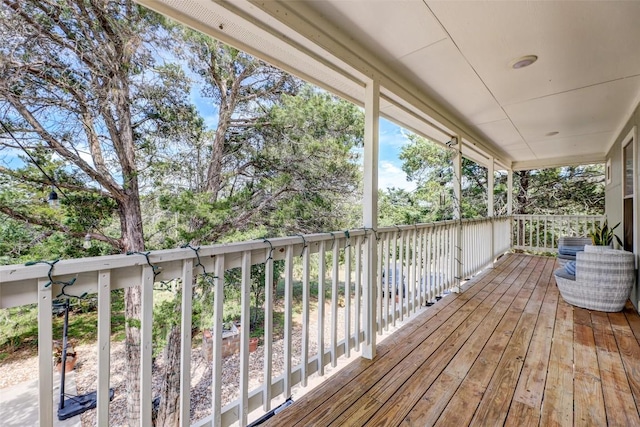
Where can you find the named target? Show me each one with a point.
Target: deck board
(506, 351)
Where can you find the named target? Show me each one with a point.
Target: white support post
(490, 185)
(457, 212)
(490, 204)
(370, 212)
(509, 192)
(510, 205)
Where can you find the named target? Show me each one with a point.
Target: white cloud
(390, 175)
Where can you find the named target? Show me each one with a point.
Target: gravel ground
(86, 371)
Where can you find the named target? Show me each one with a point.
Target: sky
(390, 173)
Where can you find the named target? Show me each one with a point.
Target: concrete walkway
(19, 404)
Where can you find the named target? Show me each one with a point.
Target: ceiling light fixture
(523, 61)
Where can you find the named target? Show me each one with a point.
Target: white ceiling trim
(559, 162)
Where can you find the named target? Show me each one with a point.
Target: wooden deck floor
(507, 351)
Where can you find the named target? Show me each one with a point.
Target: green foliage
(576, 190)
(602, 235)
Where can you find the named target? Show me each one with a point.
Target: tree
(80, 88)
(85, 94)
(431, 167)
(568, 190)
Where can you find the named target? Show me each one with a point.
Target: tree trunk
(169, 412)
(133, 240)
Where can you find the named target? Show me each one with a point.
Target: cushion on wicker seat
(570, 250)
(562, 272)
(571, 268)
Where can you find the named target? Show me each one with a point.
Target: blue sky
(390, 172)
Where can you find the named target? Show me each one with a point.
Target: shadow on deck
(508, 350)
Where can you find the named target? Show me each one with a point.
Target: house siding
(614, 190)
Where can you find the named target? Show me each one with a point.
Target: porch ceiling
(444, 67)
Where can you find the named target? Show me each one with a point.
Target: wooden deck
(507, 351)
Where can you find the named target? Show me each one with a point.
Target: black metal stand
(74, 405)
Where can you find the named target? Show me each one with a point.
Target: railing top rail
(11, 273)
(596, 216)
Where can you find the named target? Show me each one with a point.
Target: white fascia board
(559, 162)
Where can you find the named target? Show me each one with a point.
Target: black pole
(64, 352)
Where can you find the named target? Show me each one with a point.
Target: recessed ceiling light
(523, 61)
(555, 132)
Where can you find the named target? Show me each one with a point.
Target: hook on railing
(206, 274)
(52, 281)
(333, 243)
(156, 270)
(304, 244)
(270, 256)
(347, 243)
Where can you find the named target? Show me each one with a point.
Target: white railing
(540, 233)
(415, 265)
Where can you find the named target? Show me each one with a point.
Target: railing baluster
(104, 346)
(306, 287)
(185, 342)
(146, 345)
(288, 320)
(419, 269)
(334, 305)
(428, 266)
(245, 324)
(400, 282)
(347, 298)
(358, 293)
(321, 279)
(268, 328)
(386, 266)
(218, 307)
(392, 266)
(45, 367)
(407, 272)
(414, 265)
(381, 321)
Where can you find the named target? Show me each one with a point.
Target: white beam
(559, 162)
(370, 211)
